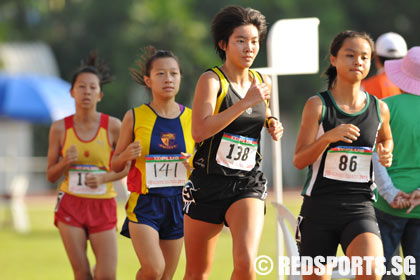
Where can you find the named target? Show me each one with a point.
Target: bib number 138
(237, 152)
(241, 153)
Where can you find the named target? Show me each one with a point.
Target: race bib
(165, 171)
(350, 164)
(77, 176)
(237, 152)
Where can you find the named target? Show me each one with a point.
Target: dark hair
(144, 64)
(230, 17)
(336, 45)
(95, 66)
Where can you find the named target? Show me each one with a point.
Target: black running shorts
(208, 197)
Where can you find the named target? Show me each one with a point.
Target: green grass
(40, 254)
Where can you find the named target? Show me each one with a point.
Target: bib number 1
(77, 175)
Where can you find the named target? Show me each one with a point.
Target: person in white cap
(398, 185)
(388, 46)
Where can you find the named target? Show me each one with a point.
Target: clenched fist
(71, 155)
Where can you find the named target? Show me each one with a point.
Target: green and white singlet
(345, 168)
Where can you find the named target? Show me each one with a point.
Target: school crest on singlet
(168, 140)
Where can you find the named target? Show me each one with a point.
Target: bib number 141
(165, 171)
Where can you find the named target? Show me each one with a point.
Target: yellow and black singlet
(234, 151)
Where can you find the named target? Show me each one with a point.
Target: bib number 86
(344, 163)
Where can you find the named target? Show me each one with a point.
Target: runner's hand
(344, 132)
(385, 155)
(186, 162)
(257, 93)
(275, 129)
(133, 151)
(93, 180)
(71, 155)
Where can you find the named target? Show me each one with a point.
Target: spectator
(403, 177)
(388, 46)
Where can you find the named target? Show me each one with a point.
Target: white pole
(277, 170)
(276, 150)
(292, 49)
(276, 158)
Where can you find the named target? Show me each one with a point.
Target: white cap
(391, 45)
